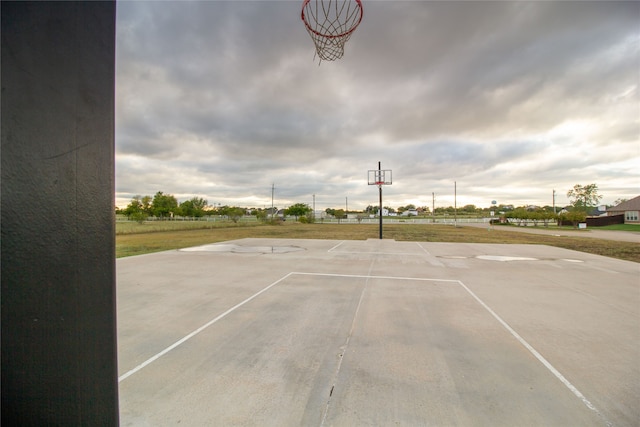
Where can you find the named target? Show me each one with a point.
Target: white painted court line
(211, 322)
(367, 276)
(197, 331)
(379, 253)
(423, 248)
(382, 253)
(522, 341)
(538, 356)
(336, 246)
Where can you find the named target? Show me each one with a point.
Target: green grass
(621, 227)
(146, 240)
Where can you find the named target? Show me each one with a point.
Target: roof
(629, 205)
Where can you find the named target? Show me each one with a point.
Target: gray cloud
(221, 99)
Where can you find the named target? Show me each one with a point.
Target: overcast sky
(510, 100)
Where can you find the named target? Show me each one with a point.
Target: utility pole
(433, 207)
(554, 201)
(272, 189)
(455, 204)
(314, 207)
(346, 206)
(380, 194)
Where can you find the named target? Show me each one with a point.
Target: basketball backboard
(380, 177)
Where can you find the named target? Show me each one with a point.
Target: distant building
(598, 211)
(630, 209)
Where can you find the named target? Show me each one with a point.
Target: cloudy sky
(509, 100)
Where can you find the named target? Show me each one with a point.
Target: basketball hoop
(330, 23)
(379, 177)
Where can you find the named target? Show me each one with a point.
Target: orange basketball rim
(330, 24)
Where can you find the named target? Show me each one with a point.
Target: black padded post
(59, 354)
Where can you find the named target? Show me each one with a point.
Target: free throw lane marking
(211, 322)
(522, 341)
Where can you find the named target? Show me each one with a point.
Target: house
(630, 209)
(598, 211)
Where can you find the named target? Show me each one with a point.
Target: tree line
(166, 206)
(163, 206)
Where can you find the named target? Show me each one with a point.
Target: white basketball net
(330, 24)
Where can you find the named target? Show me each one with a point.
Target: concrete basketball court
(272, 332)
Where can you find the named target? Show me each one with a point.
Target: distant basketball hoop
(330, 24)
(379, 177)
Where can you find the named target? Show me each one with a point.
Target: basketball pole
(380, 193)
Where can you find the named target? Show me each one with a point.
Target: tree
(470, 209)
(584, 197)
(261, 214)
(135, 209)
(193, 207)
(299, 209)
(546, 216)
(339, 213)
(518, 215)
(232, 212)
(575, 216)
(146, 205)
(164, 204)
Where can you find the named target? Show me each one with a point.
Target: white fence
(392, 220)
(376, 220)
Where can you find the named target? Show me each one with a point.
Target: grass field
(621, 227)
(137, 239)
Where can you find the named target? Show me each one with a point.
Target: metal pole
(455, 203)
(380, 193)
